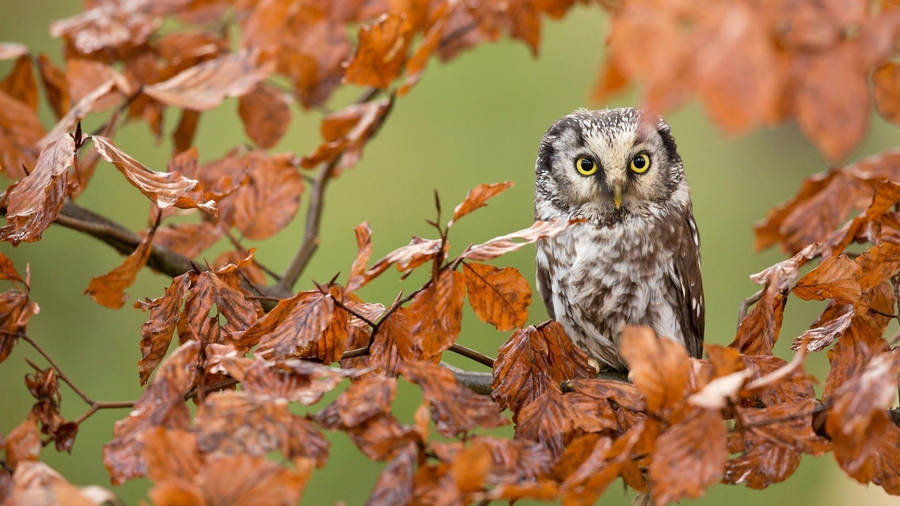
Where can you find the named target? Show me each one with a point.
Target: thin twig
(55, 366)
(310, 240)
(746, 303)
(473, 354)
(240, 247)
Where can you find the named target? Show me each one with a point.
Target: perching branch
(284, 287)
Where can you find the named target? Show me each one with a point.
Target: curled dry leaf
(364, 253)
(534, 360)
(830, 326)
(109, 289)
(381, 53)
(305, 325)
(15, 311)
(166, 189)
(435, 315)
(156, 332)
(83, 76)
(257, 193)
(477, 198)
(183, 136)
(395, 483)
(346, 132)
(551, 420)
(235, 423)
(770, 452)
(161, 405)
(184, 476)
(205, 85)
(34, 202)
(406, 258)
(659, 368)
(415, 67)
(454, 408)
(689, 457)
(10, 50)
(498, 296)
(20, 83)
(20, 130)
(835, 278)
(55, 86)
(81, 109)
(23, 443)
(38, 483)
(266, 114)
(717, 392)
(511, 242)
(824, 202)
(856, 401)
(188, 239)
(107, 26)
(887, 91)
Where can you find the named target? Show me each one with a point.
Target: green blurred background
(475, 120)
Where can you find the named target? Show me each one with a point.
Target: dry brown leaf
(156, 332)
(183, 136)
(498, 296)
(381, 53)
(887, 91)
(307, 324)
(205, 85)
(477, 198)
(455, 409)
(23, 443)
(10, 50)
(236, 423)
(15, 311)
(55, 86)
(534, 360)
(364, 253)
(161, 405)
(34, 202)
(346, 132)
(551, 420)
(266, 114)
(435, 315)
(166, 189)
(835, 278)
(20, 131)
(109, 289)
(689, 457)
(20, 83)
(659, 368)
(511, 242)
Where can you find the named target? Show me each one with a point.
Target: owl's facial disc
(606, 164)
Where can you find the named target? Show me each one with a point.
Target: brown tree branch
(121, 239)
(55, 366)
(284, 287)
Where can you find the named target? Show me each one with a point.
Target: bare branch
(121, 239)
(310, 242)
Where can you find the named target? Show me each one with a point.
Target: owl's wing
(687, 284)
(544, 287)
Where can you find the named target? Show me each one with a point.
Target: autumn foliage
(250, 348)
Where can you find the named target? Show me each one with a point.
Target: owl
(635, 259)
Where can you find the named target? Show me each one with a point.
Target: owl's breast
(600, 279)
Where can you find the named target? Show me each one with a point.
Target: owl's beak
(617, 194)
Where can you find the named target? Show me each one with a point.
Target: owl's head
(606, 165)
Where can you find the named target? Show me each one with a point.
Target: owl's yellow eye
(640, 163)
(585, 166)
